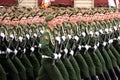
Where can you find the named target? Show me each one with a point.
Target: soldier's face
(50, 24)
(85, 18)
(88, 19)
(3, 9)
(9, 10)
(42, 19)
(36, 19)
(95, 17)
(30, 20)
(106, 16)
(59, 20)
(79, 17)
(23, 21)
(14, 22)
(91, 18)
(54, 21)
(6, 21)
(117, 14)
(73, 19)
(112, 15)
(65, 17)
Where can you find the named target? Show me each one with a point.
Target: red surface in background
(101, 3)
(59, 2)
(8, 2)
(56, 2)
(98, 3)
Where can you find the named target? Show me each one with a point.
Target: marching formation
(59, 44)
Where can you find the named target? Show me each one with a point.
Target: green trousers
(38, 56)
(107, 59)
(97, 63)
(43, 75)
(35, 63)
(70, 69)
(20, 67)
(113, 58)
(115, 52)
(49, 69)
(2, 73)
(76, 67)
(9, 68)
(101, 60)
(82, 65)
(90, 63)
(28, 66)
(62, 69)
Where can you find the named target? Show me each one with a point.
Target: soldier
(31, 56)
(22, 20)
(112, 50)
(107, 58)
(10, 69)
(96, 23)
(3, 75)
(80, 60)
(3, 9)
(94, 41)
(30, 43)
(73, 66)
(6, 20)
(48, 57)
(16, 61)
(22, 39)
(59, 63)
(85, 50)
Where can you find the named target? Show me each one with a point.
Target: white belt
(2, 52)
(44, 56)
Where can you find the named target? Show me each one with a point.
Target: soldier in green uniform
(2, 36)
(107, 58)
(68, 29)
(78, 57)
(111, 50)
(16, 61)
(10, 69)
(48, 70)
(72, 42)
(3, 73)
(22, 37)
(92, 29)
(70, 66)
(31, 47)
(59, 63)
(47, 62)
(84, 51)
(97, 24)
(65, 60)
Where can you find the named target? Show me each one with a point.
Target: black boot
(101, 77)
(88, 78)
(93, 78)
(117, 71)
(112, 74)
(107, 76)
